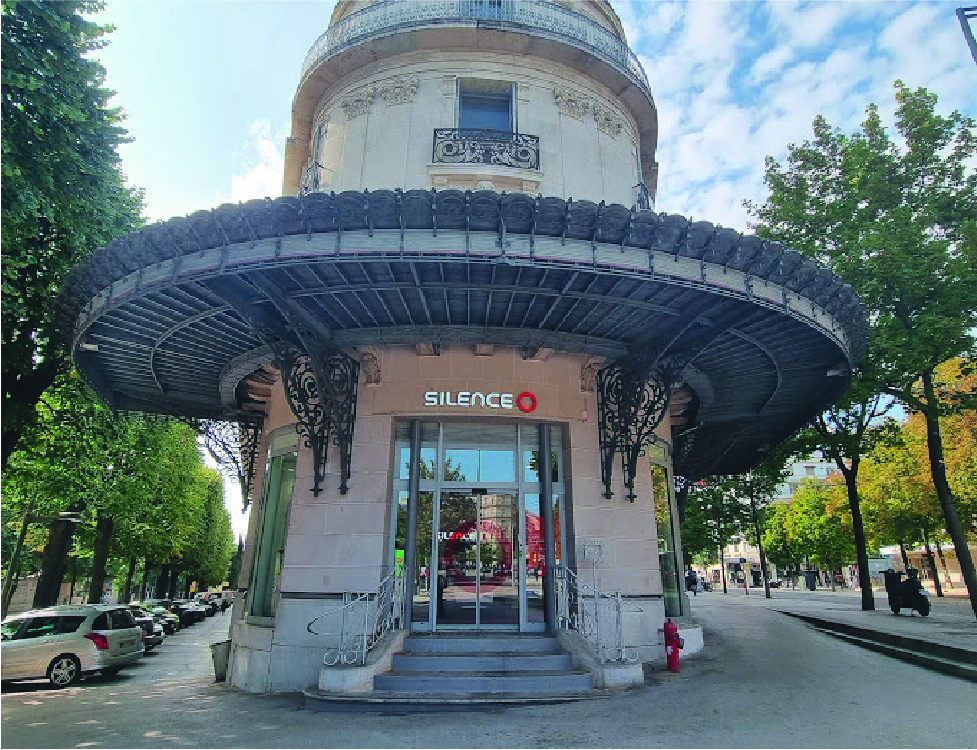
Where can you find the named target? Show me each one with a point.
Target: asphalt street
(765, 680)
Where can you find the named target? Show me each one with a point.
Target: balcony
(537, 17)
(493, 147)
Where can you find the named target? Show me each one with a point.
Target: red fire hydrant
(672, 645)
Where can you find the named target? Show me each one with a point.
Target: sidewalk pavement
(946, 640)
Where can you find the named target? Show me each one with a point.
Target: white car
(64, 642)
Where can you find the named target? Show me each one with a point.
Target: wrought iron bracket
(320, 385)
(632, 400)
(319, 378)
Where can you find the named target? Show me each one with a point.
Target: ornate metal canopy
(172, 317)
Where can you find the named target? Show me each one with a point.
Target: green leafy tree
(126, 478)
(845, 433)
(62, 189)
(818, 524)
(776, 542)
(898, 221)
(207, 556)
(714, 514)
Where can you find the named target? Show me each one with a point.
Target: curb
(937, 657)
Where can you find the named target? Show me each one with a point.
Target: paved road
(766, 680)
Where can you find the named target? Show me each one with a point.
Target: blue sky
(207, 88)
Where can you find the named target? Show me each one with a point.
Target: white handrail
(382, 609)
(579, 606)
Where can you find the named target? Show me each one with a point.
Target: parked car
(64, 642)
(209, 604)
(169, 621)
(190, 613)
(152, 630)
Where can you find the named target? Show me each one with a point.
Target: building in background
(465, 358)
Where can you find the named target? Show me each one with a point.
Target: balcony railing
(533, 16)
(496, 147)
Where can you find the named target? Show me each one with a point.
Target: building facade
(465, 358)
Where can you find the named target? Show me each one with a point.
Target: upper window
(485, 105)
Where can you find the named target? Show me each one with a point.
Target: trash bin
(811, 578)
(221, 652)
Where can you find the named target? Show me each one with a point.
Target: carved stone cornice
(398, 90)
(359, 102)
(607, 121)
(571, 102)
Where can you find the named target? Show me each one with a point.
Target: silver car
(64, 642)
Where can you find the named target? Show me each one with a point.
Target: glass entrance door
(478, 546)
(478, 572)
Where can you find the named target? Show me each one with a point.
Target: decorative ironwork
(321, 392)
(642, 199)
(632, 399)
(365, 619)
(532, 16)
(594, 614)
(495, 147)
(249, 431)
(310, 180)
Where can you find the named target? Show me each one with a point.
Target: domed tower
(464, 358)
(499, 95)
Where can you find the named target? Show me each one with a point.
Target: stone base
(358, 678)
(606, 675)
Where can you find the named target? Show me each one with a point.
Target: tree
(897, 221)
(713, 516)
(207, 556)
(845, 433)
(126, 478)
(756, 489)
(781, 551)
(818, 525)
(62, 188)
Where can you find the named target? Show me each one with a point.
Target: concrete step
(906, 643)
(481, 644)
(482, 662)
(392, 702)
(551, 684)
(929, 661)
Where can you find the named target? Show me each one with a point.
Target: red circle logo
(526, 402)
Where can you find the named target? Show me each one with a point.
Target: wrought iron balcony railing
(497, 147)
(533, 16)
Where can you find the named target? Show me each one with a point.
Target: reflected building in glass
(471, 368)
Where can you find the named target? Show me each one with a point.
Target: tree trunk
(163, 582)
(861, 549)
(905, 557)
(722, 569)
(54, 563)
(934, 445)
(20, 397)
(186, 587)
(73, 564)
(144, 586)
(946, 573)
(932, 563)
(130, 574)
(174, 582)
(759, 546)
(104, 526)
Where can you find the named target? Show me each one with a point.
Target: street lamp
(13, 571)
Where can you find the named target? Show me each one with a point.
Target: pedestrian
(692, 582)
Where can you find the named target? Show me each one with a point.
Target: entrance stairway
(461, 670)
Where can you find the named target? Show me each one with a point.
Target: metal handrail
(366, 618)
(541, 16)
(579, 606)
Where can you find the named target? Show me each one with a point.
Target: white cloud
(262, 166)
(734, 83)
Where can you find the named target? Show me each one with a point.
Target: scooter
(908, 594)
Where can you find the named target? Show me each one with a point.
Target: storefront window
(275, 502)
(667, 557)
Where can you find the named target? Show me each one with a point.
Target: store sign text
(525, 401)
